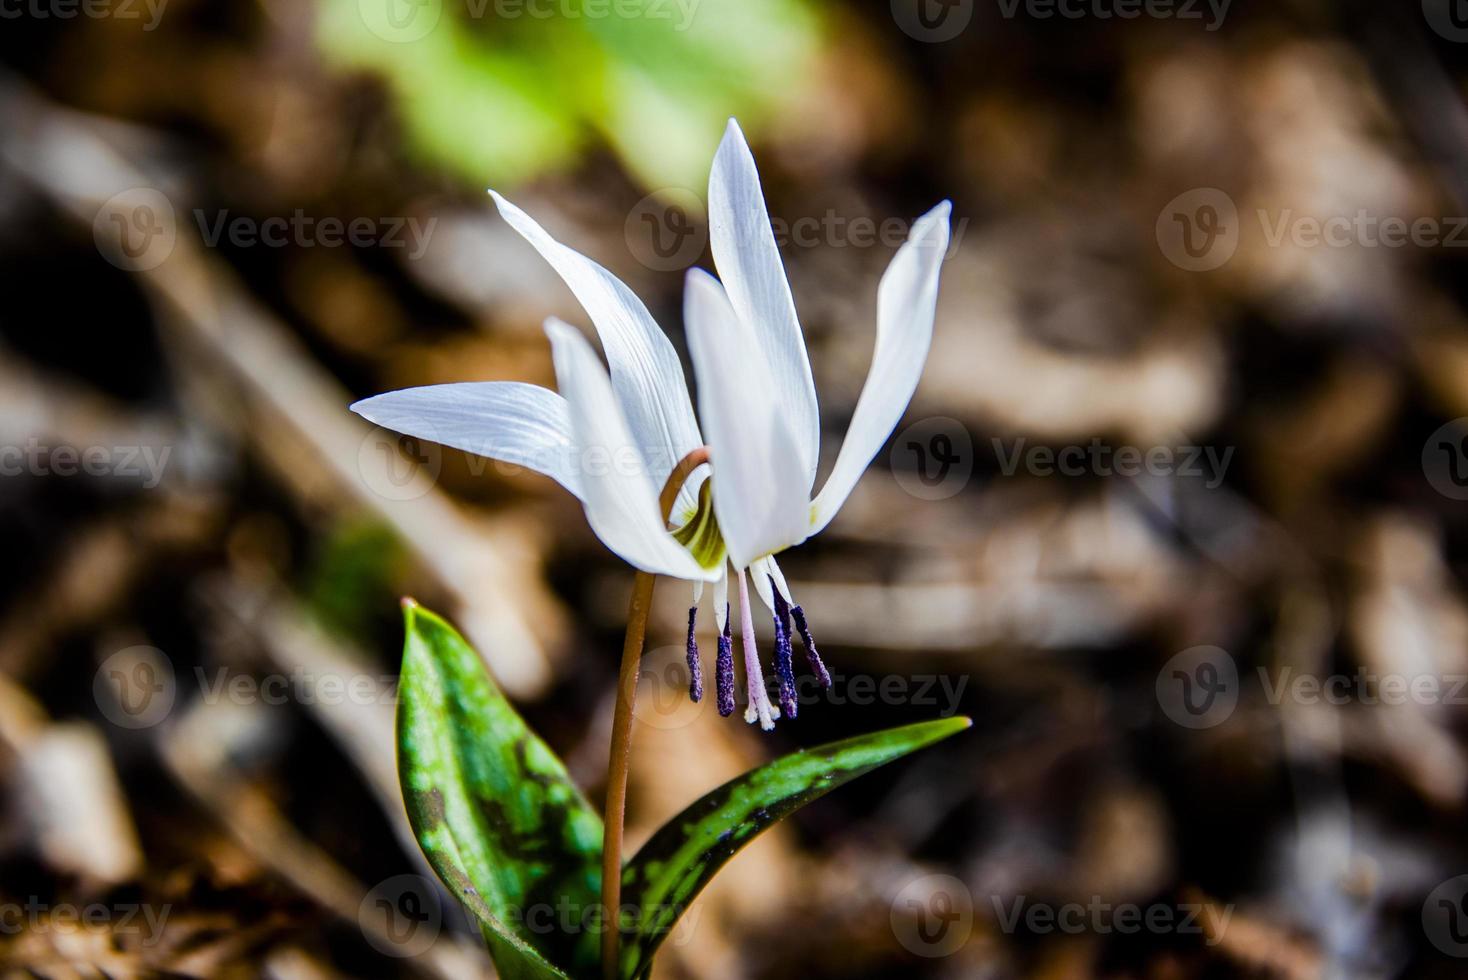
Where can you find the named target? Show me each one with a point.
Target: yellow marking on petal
(700, 535)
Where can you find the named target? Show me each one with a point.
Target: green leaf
(493, 808)
(504, 99)
(681, 858)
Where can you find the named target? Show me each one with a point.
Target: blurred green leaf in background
(500, 91)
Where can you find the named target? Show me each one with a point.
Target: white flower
(613, 439)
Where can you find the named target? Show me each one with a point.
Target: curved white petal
(772, 568)
(646, 374)
(759, 572)
(620, 496)
(749, 265)
(508, 420)
(759, 487)
(721, 598)
(906, 300)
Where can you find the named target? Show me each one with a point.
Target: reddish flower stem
(619, 764)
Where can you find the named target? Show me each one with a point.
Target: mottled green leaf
(493, 808)
(673, 867)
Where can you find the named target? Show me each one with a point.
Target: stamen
(754, 675)
(816, 666)
(724, 669)
(784, 667)
(695, 669)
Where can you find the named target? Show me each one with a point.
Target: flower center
(700, 535)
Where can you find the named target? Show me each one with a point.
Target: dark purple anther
(818, 668)
(784, 667)
(724, 669)
(695, 669)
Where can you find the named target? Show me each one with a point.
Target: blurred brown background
(1178, 513)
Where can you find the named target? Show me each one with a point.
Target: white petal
(621, 499)
(749, 265)
(759, 572)
(506, 420)
(646, 373)
(760, 492)
(773, 569)
(906, 300)
(721, 599)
